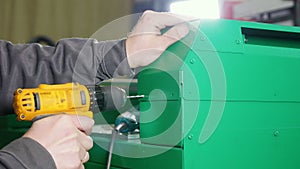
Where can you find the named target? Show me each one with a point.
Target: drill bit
(135, 97)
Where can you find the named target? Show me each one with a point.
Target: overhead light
(206, 9)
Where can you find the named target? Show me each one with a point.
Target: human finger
(173, 35)
(81, 166)
(83, 123)
(153, 22)
(85, 141)
(162, 20)
(82, 153)
(86, 157)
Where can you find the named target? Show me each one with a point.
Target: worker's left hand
(146, 42)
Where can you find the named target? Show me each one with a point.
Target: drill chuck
(106, 98)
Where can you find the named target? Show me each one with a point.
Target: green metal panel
(133, 154)
(259, 127)
(10, 129)
(250, 135)
(239, 97)
(162, 123)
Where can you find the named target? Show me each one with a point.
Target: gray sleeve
(25, 153)
(86, 61)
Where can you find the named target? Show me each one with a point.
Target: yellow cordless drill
(70, 98)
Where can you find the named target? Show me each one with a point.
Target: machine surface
(227, 96)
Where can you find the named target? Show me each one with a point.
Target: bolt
(20, 91)
(190, 137)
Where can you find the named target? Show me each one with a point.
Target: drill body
(69, 98)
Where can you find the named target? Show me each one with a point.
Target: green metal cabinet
(226, 96)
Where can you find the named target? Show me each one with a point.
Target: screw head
(276, 133)
(192, 61)
(238, 42)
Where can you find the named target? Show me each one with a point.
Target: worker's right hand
(65, 137)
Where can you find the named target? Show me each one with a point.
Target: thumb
(83, 123)
(173, 35)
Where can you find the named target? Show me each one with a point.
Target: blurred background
(47, 21)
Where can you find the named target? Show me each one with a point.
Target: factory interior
(23, 21)
(226, 95)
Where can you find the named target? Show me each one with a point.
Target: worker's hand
(146, 42)
(65, 137)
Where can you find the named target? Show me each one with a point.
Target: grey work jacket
(86, 61)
